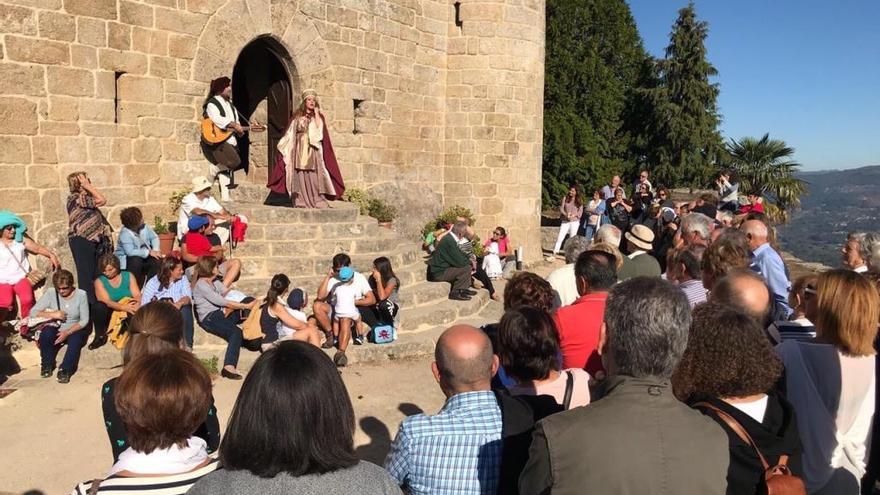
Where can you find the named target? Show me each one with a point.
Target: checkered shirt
(457, 451)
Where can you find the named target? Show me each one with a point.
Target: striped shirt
(174, 484)
(694, 291)
(457, 451)
(175, 291)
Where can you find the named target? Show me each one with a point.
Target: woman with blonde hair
(831, 382)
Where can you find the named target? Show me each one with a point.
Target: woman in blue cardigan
(138, 246)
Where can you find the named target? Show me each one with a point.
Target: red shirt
(197, 244)
(578, 327)
(757, 208)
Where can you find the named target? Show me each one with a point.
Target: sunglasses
(810, 290)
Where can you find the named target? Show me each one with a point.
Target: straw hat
(640, 236)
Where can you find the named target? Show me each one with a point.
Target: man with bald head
(767, 262)
(745, 290)
(458, 450)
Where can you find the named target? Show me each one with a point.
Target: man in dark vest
(224, 157)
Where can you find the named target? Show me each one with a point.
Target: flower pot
(386, 225)
(166, 243)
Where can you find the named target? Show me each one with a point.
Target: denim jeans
(49, 351)
(188, 322)
(216, 323)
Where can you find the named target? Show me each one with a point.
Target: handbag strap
(569, 388)
(740, 431)
(96, 484)
(20, 262)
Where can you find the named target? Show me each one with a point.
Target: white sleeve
(363, 286)
(188, 203)
(212, 205)
(214, 114)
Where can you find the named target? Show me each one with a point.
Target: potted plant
(174, 201)
(383, 212)
(166, 237)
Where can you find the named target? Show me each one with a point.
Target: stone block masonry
(430, 102)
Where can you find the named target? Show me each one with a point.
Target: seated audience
(729, 251)
(199, 202)
(449, 264)
(497, 249)
(608, 234)
(155, 329)
(728, 191)
(172, 287)
(162, 399)
(831, 382)
(118, 298)
(138, 246)
(346, 317)
(275, 319)
(197, 244)
(728, 372)
(386, 289)
(457, 450)
(68, 307)
(220, 316)
(323, 306)
(639, 262)
(430, 240)
(855, 252)
(478, 273)
(609, 446)
(14, 265)
(528, 347)
(580, 323)
(292, 431)
(802, 300)
(755, 204)
(685, 271)
(562, 279)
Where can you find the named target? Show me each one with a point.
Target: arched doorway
(262, 72)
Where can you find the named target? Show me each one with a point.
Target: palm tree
(765, 165)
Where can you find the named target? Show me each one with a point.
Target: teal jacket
(447, 255)
(9, 218)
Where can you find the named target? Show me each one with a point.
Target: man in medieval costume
(305, 170)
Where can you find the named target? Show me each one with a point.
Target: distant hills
(838, 202)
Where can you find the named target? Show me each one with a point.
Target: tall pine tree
(685, 141)
(595, 61)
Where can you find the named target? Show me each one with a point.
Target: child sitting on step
(345, 313)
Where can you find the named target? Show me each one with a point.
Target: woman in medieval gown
(306, 171)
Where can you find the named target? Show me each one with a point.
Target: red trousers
(25, 294)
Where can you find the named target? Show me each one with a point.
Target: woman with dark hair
(292, 431)
(220, 316)
(154, 329)
(729, 370)
(642, 201)
(306, 174)
(386, 288)
(138, 246)
(571, 209)
(87, 232)
(619, 210)
(162, 399)
(69, 307)
(274, 316)
(496, 249)
(831, 382)
(528, 347)
(116, 291)
(170, 286)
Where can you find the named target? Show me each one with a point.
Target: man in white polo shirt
(200, 202)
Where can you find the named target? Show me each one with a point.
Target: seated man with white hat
(200, 202)
(639, 263)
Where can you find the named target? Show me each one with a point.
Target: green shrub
(358, 197)
(211, 364)
(159, 225)
(381, 211)
(176, 198)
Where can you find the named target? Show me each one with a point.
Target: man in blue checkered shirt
(458, 450)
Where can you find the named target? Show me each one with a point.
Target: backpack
(778, 479)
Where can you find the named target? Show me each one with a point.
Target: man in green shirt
(448, 263)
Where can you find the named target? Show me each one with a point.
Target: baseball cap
(196, 222)
(345, 274)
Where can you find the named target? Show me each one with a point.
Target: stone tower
(430, 102)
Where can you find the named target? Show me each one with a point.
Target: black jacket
(775, 436)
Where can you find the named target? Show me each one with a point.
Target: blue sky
(806, 71)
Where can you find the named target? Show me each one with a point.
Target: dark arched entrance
(262, 71)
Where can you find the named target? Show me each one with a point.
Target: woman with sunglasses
(14, 265)
(69, 307)
(171, 286)
(497, 248)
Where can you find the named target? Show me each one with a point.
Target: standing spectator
(639, 262)
(706, 204)
(69, 307)
(619, 210)
(274, 317)
(386, 289)
(609, 446)
(855, 252)
(746, 291)
(643, 181)
(609, 234)
(685, 271)
(642, 201)
(458, 450)
(138, 246)
(728, 191)
(571, 209)
(767, 262)
(562, 279)
(170, 286)
(323, 306)
(831, 383)
(579, 324)
(154, 329)
(729, 251)
(802, 300)
(116, 291)
(14, 265)
(264, 452)
(449, 264)
(528, 347)
(872, 245)
(200, 202)
(609, 189)
(664, 199)
(162, 399)
(593, 217)
(211, 310)
(729, 370)
(87, 232)
(696, 229)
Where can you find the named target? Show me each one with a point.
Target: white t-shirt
(344, 296)
(188, 204)
(10, 271)
(755, 409)
(360, 282)
(285, 331)
(563, 281)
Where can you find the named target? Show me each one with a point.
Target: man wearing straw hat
(639, 263)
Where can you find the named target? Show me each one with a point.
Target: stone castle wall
(451, 111)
